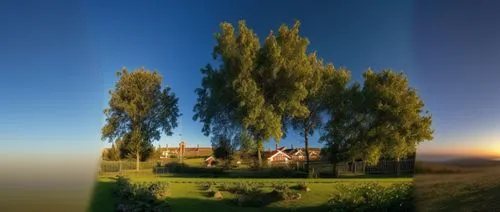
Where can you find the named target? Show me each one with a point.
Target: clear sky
(59, 59)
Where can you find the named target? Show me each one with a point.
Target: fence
(114, 166)
(389, 166)
(383, 167)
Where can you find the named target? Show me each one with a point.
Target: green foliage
(141, 196)
(245, 188)
(279, 186)
(374, 197)
(111, 154)
(139, 110)
(222, 148)
(285, 194)
(300, 186)
(247, 146)
(256, 87)
(400, 122)
(384, 118)
(199, 171)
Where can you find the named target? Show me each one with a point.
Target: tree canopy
(263, 89)
(384, 118)
(139, 111)
(256, 87)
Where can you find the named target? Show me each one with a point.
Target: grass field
(185, 194)
(458, 187)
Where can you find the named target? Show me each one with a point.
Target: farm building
(277, 156)
(209, 161)
(299, 154)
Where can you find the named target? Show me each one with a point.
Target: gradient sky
(59, 60)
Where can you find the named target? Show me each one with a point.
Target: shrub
(374, 197)
(285, 194)
(301, 186)
(186, 169)
(244, 188)
(141, 196)
(283, 172)
(224, 187)
(279, 186)
(252, 199)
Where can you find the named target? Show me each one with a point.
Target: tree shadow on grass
(481, 199)
(192, 204)
(103, 197)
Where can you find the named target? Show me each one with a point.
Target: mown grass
(466, 188)
(186, 195)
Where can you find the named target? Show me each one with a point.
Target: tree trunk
(335, 170)
(259, 156)
(398, 170)
(137, 157)
(306, 141)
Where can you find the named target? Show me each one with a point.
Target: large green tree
(400, 122)
(139, 111)
(339, 101)
(384, 118)
(255, 87)
(316, 86)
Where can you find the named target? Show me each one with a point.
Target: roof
(275, 152)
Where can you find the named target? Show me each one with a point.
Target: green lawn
(186, 195)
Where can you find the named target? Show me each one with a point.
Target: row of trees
(259, 91)
(262, 90)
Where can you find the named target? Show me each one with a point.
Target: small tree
(223, 149)
(247, 146)
(112, 154)
(139, 110)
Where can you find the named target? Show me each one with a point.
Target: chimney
(276, 146)
(291, 146)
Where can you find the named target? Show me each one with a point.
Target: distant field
(458, 186)
(186, 195)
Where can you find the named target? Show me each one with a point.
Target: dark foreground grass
(186, 195)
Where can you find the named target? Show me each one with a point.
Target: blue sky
(59, 59)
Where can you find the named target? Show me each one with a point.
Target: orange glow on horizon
(462, 151)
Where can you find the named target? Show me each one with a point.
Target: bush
(224, 187)
(186, 169)
(374, 197)
(301, 186)
(141, 196)
(254, 199)
(279, 186)
(285, 194)
(244, 188)
(283, 172)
